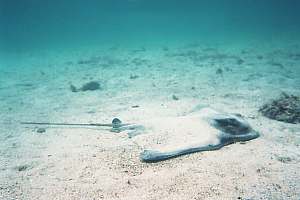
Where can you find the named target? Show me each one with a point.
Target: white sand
(76, 163)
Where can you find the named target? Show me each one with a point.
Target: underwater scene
(149, 99)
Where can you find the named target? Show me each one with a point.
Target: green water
(150, 59)
(49, 24)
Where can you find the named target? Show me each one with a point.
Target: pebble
(41, 130)
(174, 97)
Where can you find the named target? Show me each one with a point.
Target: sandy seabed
(141, 83)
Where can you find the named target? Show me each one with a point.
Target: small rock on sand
(174, 97)
(41, 130)
(90, 86)
(93, 85)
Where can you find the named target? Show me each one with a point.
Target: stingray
(169, 137)
(205, 130)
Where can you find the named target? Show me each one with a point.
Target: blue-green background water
(152, 59)
(46, 24)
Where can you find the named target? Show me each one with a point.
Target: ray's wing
(232, 128)
(156, 156)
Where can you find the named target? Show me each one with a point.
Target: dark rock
(276, 64)
(286, 109)
(295, 56)
(73, 88)
(284, 159)
(227, 69)
(90, 86)
(260, 57)
(24, 85)
(240, 61)
(174, 97)
(219, 71)
(41, 130)
(116, 123)
(133, 76)
(22, 167)
(244, 52)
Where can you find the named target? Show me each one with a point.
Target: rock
(284, 159)
(116, 123)
(133, 76)
(286, 109)
(41, 130)
(73, 88)
(240, 61)
(22, 167)
(219, 71)
(174, 97)
(90, 86)
(259, 57)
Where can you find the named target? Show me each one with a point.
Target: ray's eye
(116, 123)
